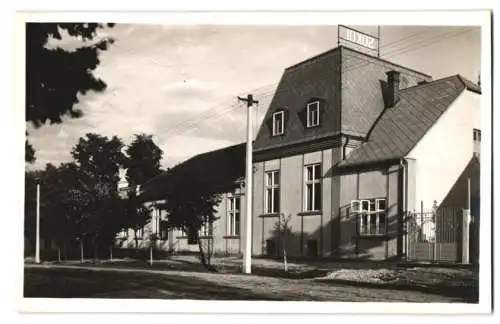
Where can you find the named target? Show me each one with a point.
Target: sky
(180, 83)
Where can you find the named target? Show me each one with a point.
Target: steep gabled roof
(314, 79)
(346, 82)
(401, 127)
(219, 169)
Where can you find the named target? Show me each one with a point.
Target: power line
(213, 117)
(195, 123)
(405, 49)
(405, 39)
(212, 112)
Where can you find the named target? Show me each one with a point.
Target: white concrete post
(37, 244)
(247, 254)
(466, 219)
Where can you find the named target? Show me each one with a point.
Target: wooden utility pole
(247, 249)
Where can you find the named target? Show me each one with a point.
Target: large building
(349, 145)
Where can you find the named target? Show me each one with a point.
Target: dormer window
(278, 123)
(313, 114)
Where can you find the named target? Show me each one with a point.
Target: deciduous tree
(55, 76)
(99, 159)
(143, 160)
(190, 203)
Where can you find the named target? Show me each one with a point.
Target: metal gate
(434, 235)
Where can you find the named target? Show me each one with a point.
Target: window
(278, 123)
(233, 216)
(206, 228)
(312, 187)
(371, 215)
(476, 134)
(313, 114)
(272, 197)
(140, 233)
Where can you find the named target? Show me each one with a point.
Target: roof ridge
(384, 60)
(429, 83)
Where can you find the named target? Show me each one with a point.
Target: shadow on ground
(79, 283)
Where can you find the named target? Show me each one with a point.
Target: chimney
(392, 88)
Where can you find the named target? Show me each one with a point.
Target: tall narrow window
(313, 114)
(312, 187)
(233, 216)
(278, 123)
(476, 134)
(206, 228)
(272, 197)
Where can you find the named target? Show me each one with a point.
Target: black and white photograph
(342, 161)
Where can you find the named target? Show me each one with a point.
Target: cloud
(180, 83)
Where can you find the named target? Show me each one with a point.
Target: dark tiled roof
(364, 81)
(348, 85)
(219, 169)
(315, 78)
(400, 128)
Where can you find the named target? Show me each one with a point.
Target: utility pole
(37, 246)
(247, 252)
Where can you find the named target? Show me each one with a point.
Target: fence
(435, 235)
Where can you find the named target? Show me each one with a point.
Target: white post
(465, 227)
(247, 253)
(37, 247)
(151, 236)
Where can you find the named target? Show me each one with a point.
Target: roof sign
(356, 37)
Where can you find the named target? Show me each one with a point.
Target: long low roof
(219, 169)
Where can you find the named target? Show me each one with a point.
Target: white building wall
(444, 152)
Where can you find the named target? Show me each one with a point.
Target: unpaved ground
(68, 282)
(328, 281)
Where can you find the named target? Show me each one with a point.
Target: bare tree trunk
(284, 256)
(111, 253)
(202, 253)
(285, 262)
(58, 254)
(81, 250)
(136, 240)
(210, 249)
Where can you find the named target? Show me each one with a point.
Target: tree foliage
(99, 159)
(55, 77)
(135, 214)
(143, 162)
(29, 152)
(190, 203)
